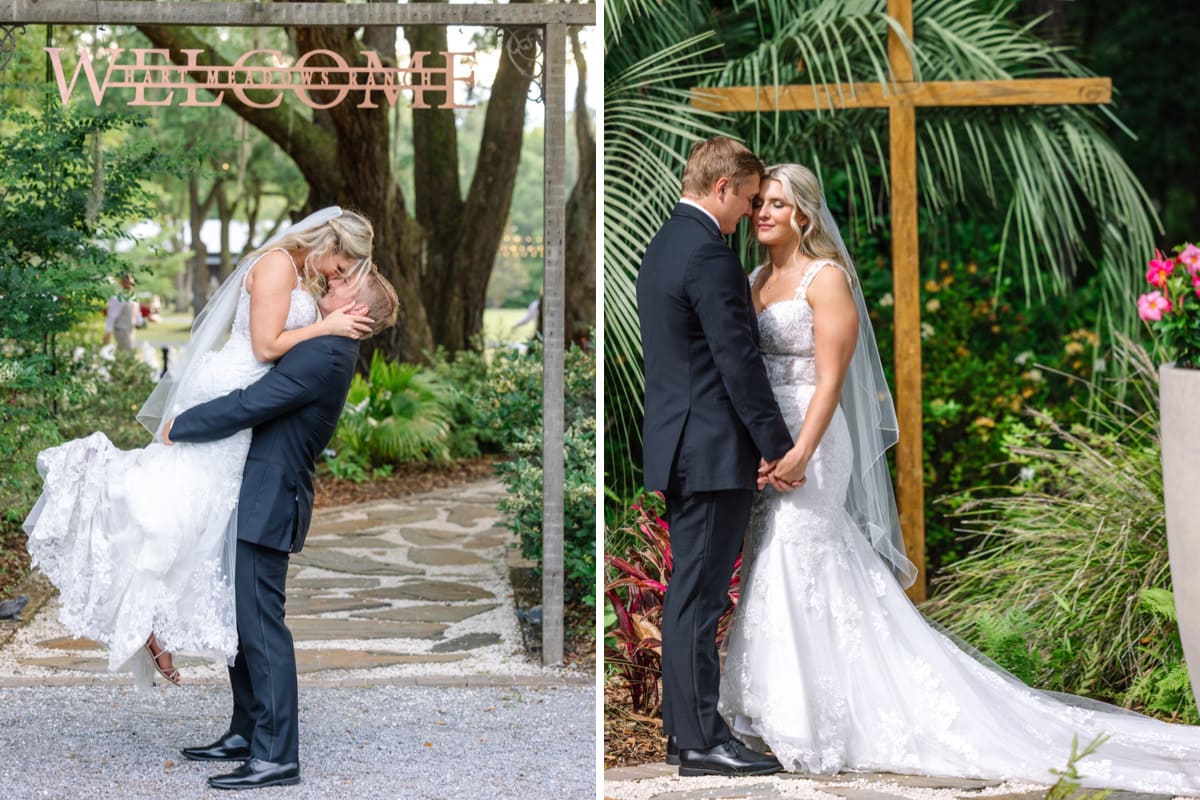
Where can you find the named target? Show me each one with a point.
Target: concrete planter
(1179, 406)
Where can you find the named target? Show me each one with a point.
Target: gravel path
(117, 742)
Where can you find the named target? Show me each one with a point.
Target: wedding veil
(211, 327)
(871, 417)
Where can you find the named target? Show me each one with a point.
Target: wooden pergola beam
(133, 12)
(1035, 91)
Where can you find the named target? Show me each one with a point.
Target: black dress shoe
(729, 758)
(255, 773)
(672, 751)
(230, 747)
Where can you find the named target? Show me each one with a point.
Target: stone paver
(392, 590)
(658, 781)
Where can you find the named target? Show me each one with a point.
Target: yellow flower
(984, 422)
(932, 286)
(933, 305)
(943, 266)
(1073, 348)
(971, 268)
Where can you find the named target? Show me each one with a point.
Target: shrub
(1081, 541)
(510, 414)
(522, 504)
(985, 359)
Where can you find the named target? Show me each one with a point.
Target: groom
(711, 421)
(293, 410)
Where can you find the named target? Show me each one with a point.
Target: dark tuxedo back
(710, 411)
(294, 411)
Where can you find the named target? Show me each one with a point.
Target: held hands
(783, 474)
(350, 321)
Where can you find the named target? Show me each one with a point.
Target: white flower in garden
(887, 301)
(1099, 365)
(1023, 357)
(926, 330)
(1027, 473)
(1034, 376)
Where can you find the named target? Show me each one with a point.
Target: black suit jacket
(710, 411)
(293, 410)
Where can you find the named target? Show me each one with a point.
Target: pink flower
(1160, 268)
(1191, 257)
(1152, 306)
(1196, 282)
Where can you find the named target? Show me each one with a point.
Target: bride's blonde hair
(348, 234)
(803, 193)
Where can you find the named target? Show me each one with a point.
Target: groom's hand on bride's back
(166, 432)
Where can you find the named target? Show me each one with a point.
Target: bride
(829, 665)
(139, 542)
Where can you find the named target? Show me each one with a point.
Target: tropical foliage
(637, 576)
(398, 412)
(1048, 176)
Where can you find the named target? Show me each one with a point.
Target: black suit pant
(263, 676)
(707, 529)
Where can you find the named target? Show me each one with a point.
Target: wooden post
(906, 289)
(553, 333)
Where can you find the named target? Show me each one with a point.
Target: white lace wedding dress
(832, 668)
(142, 540)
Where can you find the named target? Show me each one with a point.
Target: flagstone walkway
(407, 591)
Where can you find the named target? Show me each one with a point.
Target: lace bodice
(786, 334)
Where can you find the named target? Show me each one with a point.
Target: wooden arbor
(901, 99)
(553, 20)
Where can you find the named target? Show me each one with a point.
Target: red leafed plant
(636, 585)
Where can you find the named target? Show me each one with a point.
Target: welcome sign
(262, 71)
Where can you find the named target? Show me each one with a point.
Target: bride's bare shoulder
(274, 270)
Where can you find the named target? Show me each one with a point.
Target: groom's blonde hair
(378, 294)
(716, 158)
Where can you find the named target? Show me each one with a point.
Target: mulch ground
(629, 738)
(406, 479)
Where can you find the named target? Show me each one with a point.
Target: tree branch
(308, 145)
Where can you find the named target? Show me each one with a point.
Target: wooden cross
(901, 99)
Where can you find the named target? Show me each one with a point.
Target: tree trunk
(197, 210)
(465, 233)
(580, 299)
(225, 213)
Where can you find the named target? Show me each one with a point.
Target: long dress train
(142, 540)
(832, 668)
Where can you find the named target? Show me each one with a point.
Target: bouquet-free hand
(350, 320)
(1172, 309)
